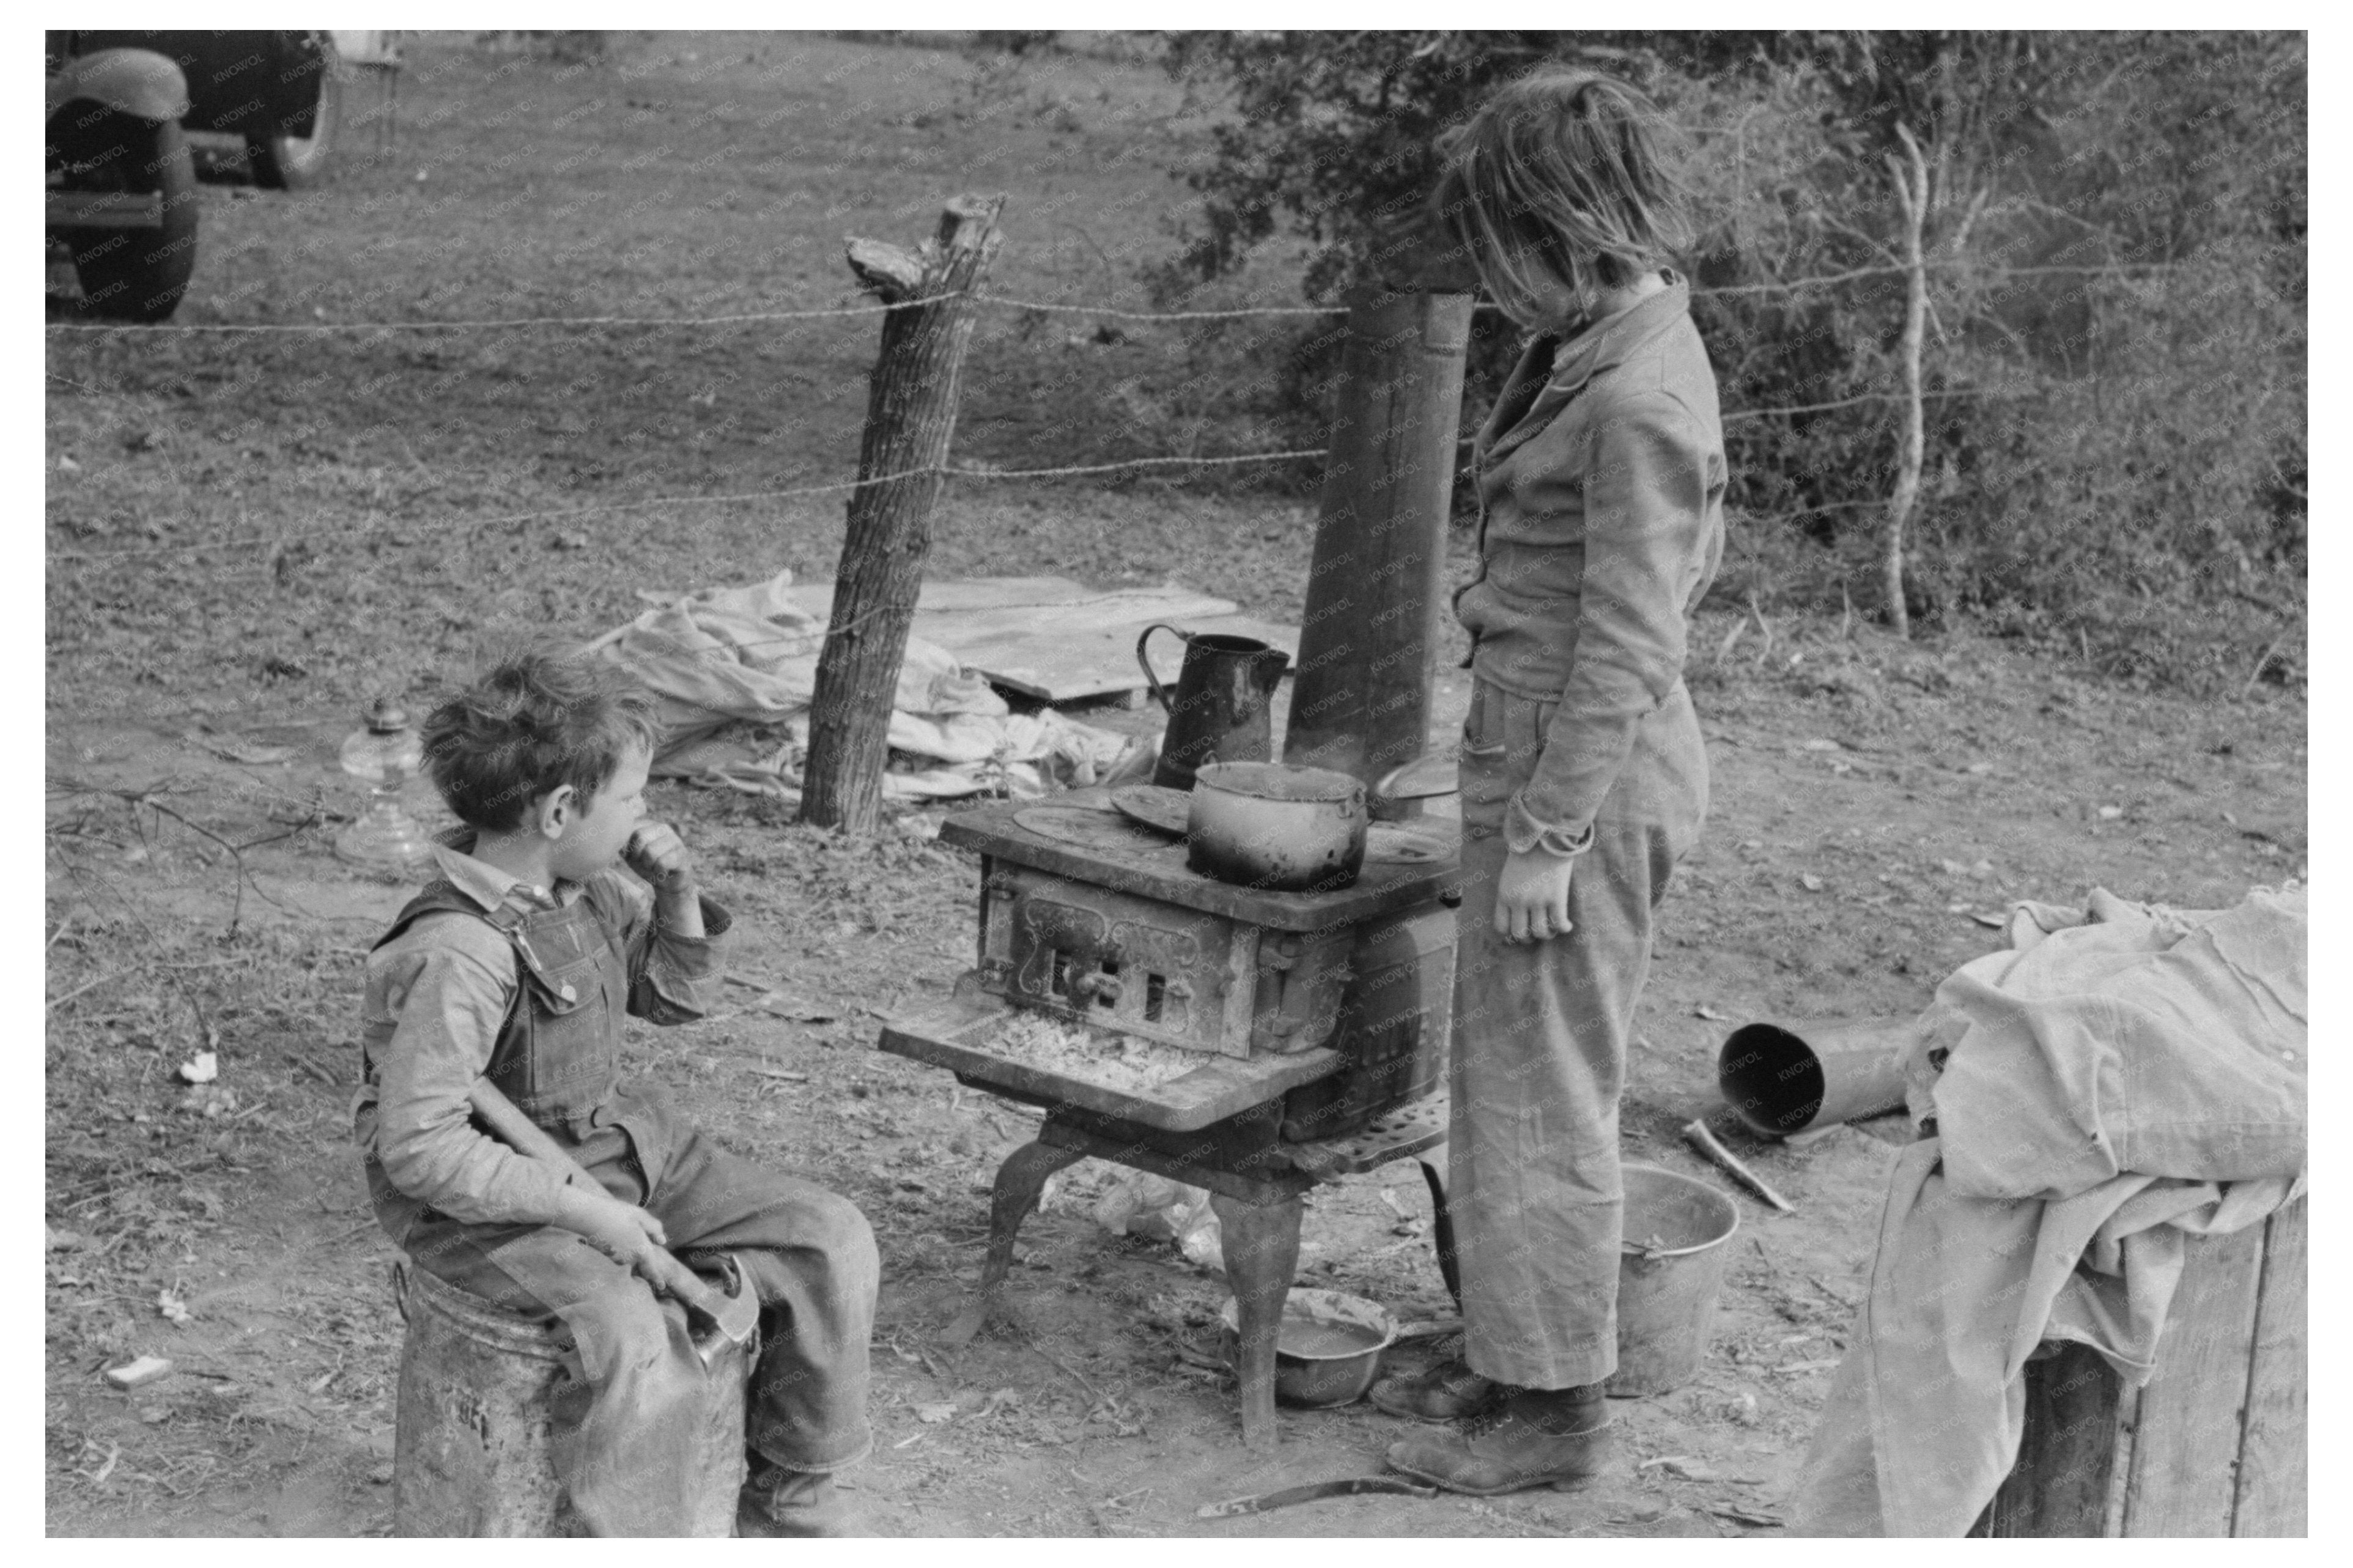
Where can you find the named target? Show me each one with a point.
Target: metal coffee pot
(1222, 711)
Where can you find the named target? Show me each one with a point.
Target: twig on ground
(932, 1365)
(148, 798)
(1090, 238)
(86, 985)
(1841, 1298)
(305, 1065)
(1764, 626)
(1057, 1364)
(1700, 1138)
(206, 1032)
(2255, 675)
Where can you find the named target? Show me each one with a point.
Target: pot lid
(1279, 781)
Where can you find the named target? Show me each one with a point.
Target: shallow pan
(1328, 1350)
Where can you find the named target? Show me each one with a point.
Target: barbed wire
(256, 540)
(430, 528)
(1125, 315)
(1940, 264)
(429, 324)
(1792, 284)
(457, 324)
(1118, 313)
(1877, 397)
(1135, 462)
(840, 486)
(395, 526)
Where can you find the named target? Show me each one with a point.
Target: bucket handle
(1153, 680)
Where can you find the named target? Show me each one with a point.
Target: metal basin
(1328, 1350)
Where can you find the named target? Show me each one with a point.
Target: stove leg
(1262, 1248)
(1020, 1180)
(1441, 1228)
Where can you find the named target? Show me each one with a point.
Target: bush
(2114, 373)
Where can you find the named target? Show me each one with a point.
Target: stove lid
(1095, 828)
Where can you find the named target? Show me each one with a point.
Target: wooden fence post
(911, 411)
(1360, 697)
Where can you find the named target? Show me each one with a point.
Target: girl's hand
(656, 853)
(1532, 896)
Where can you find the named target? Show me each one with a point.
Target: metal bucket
(1783, 1079)
(472, 1427)
(1669, 1274)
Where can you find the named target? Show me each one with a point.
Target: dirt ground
(1869, 805)
(415, 499)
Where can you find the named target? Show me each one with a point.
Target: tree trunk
(1360, 700)
(911, 412)
(1911, 190)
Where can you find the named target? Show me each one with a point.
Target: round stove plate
(1090, 828)
(1169, 810)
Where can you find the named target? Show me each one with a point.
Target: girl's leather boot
(1542, 1437)
(1444, 1391)
(790, 1504)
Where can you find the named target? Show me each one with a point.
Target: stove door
(1154, 970)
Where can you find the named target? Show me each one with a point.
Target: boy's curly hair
(537, 720)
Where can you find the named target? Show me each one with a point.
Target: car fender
(130, 81)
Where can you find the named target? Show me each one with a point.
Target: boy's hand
(1532, 896)
(622, 1231)
(656, 853)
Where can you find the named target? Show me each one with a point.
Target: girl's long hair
(1558, 183)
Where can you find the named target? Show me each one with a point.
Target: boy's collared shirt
(444, 987)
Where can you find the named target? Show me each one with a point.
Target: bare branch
(1911, 191)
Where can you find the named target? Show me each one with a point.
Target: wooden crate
(2214, 1445)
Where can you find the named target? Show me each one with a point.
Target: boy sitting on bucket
(517, 963)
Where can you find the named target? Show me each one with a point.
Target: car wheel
(298, 163)
(136, 274)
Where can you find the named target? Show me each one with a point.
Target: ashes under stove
(1320, 1019)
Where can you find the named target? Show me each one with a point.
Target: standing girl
(1601, 476)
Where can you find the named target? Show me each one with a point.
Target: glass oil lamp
(385, 752)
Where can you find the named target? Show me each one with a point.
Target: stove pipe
(1360, 693)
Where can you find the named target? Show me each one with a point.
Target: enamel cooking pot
(1274, 826)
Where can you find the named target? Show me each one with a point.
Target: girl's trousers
(1539, 1046)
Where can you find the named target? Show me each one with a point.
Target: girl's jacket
(1601, 476)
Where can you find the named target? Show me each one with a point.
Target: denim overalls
(808, 1253)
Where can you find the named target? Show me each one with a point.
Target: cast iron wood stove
(1320, 1020)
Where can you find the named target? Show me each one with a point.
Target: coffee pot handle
(1153, 679)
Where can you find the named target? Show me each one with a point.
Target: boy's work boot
(798, 1504)
(1542, 1437)
(1444, 1391)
